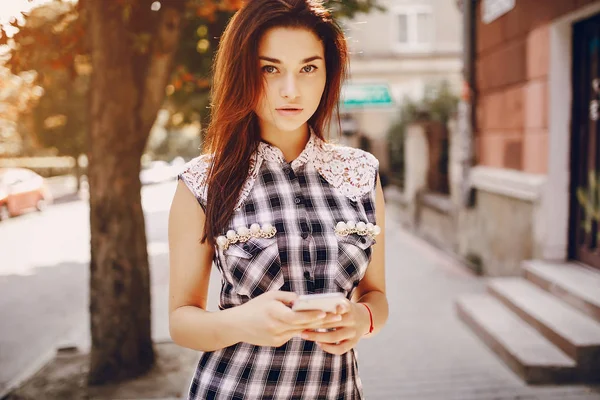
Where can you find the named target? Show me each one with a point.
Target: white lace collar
(269, 152)
(351, 171)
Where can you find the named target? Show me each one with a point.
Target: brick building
(533, 92)
(534, 205)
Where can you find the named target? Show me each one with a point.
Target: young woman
(281, 213)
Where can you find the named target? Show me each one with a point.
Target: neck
(291, 143)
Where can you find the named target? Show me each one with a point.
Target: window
(414, 28)
(403, 28)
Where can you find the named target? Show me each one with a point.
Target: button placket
(307, 256)
(304, 228)
(310, 282)
(289, 172)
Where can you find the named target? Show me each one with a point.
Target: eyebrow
(276, 61)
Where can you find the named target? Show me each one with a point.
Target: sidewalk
(424, 352)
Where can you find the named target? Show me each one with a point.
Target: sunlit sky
(13, 8)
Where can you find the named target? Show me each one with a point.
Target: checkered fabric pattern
(304, 201)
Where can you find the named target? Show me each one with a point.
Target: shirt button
(307, 275)
(363, 240)
(304, 235)
(298, 200)
(246, 247)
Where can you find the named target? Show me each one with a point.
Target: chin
(290, 125)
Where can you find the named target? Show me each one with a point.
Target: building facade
(532, 216)
(525, 145)
(409, 45)
(536, 136)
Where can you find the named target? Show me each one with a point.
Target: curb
(69, 343)
(62, 347)
(27, 373)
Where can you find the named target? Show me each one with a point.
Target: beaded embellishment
(243, 234)
(364, 229)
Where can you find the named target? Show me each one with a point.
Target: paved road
(425, 352)
(44, 273)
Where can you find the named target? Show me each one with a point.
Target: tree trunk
(127, 90)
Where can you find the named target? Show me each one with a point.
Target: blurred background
(482, 113)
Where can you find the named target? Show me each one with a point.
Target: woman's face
(292, 63)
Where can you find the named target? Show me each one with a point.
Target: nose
(289, 88)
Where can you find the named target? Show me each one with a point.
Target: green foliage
(50, 39)
(408, 113)
(18, 95)
(589, 200)
(60, 117)
(49, 44)
(439, 103)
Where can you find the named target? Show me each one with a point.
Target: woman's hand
(355, 323)
(267, 320)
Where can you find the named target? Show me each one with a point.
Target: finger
(342, 323)
(331, 320)
(344, 308)
(287, 316)
(338, 335)
(292, 333)
(306, 318)
(284, 297)
(337, 349)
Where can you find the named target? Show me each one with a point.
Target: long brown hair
(234, 133)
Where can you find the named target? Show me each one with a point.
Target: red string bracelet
(370, 318)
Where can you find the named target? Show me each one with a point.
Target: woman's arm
(371, 289)
(189, 275)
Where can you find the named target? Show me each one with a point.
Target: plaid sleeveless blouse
(283, 236)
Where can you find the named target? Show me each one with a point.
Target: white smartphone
(327, 302)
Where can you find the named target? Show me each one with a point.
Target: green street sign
(366, 95)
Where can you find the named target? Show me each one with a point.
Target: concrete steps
(573, 332)
(521, 347)
(575, 284)
(541, 326)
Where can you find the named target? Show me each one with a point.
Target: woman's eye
(269, 69)
(309, 68)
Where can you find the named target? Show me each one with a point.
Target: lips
(289, 111)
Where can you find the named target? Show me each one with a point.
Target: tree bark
(127, 90)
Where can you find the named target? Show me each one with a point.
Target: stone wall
(493, 234)
(497, 234)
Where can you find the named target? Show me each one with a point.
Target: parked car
(22, 190)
